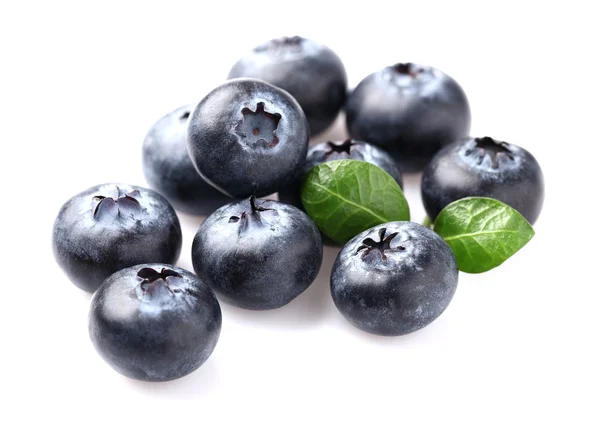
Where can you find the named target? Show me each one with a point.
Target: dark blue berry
(113, 226)
(154, 322)
(394, 278)
(410, 110)
(258, 254)
(312, 73)
(169, 170)
(248, 137)
(484, 167)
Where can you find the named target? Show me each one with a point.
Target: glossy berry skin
(312, 73)
(113, 226)
(258, 254)
(169, 170)
(248, 137)
(154, 322)
(346, 150)
(410, 110)
(487, 168)
(394, 279)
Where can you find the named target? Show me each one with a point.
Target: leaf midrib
(482, 233)
(350, 202)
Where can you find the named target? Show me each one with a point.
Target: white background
(82, 82)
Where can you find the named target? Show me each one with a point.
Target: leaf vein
(350, 202)
(480, 233)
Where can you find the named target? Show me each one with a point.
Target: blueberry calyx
(409, 69)
(260, 124)
(152, 280)
(408, 76)
(382, 246)
(491, 148)
(345, 146)
(255, 210)
(125, 204)
(286, 42)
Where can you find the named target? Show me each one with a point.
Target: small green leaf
(482, 232)
(346, 197)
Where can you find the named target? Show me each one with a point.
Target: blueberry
(394, 278)
(113, 226)
(484, 167)
(410, 110)
(312, 73)
(154, 322)
(348, 149)
(169, 170)
(248, 137)
(258, 254)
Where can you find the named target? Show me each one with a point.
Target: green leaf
(482, 232)
(346, 197)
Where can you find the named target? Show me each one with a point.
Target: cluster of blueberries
(248, 138)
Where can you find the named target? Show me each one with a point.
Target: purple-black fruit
(247, 137)
(170, 171)
(154, 322)
(484, 167)
(312, 73)
(394, 278)
(258, 254)
(410, 110)
(109, 227)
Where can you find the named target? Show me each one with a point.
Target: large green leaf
(346, 197)
(482, 232)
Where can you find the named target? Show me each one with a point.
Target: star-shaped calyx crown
(121, 204)
(152, 280)
(493, 149)
(384, 245)
(344, 147)
(259, 127)
(253, 215)
(281, 45)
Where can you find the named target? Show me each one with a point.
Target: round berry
(258, 254)
(484, 167)
(113, 226)
(312, 73)
(169, 170)
(410, 110)
(394, 278)
(248, 137)
(154, 322)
